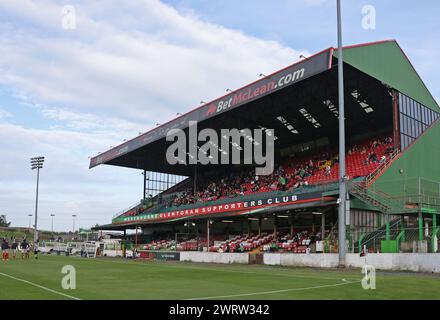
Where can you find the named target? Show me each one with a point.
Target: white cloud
(126, 66)
(158, 60)
(5, 114)
(66, 181)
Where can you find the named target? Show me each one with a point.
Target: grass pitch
(106, 278)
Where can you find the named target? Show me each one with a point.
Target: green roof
(386, 61)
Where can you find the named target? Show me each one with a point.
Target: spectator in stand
(389, 150)
(282, 183)
(289, 175)
(328, 170)
(372, 158)
(318, 236)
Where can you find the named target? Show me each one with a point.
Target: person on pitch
(14, 248)
(25, 249)
(5, 250)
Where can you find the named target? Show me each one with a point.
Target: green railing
(381, 200)
(371, 236)
(360, 242)
(408, 239)
(412, 193)
(381, 168)
(400, 237)
(149, 205)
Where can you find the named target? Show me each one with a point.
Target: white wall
(423, 262)
(214, 257)
(310, 260)
(273, 259)
(301, 260)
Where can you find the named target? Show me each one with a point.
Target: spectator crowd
(320, 167)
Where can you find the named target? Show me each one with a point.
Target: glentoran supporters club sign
(230, 207)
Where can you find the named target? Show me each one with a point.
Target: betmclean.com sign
(277, 81)
(150, 254)
(239, 207)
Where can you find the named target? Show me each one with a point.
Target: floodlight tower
(52, 215)
(342, 175)
(36, 163)
(30, 222)
(73, 218)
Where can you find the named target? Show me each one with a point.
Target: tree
(3, 221)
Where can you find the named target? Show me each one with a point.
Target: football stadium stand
(393, 176)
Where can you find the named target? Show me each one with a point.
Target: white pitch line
(39, 286)
(345, 282)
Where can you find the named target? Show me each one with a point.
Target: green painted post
(388, 228)
(434, 231)
(349, 238)
(420, 227)
(402, 223)
(360, 242)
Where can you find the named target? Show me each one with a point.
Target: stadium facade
(393, 143)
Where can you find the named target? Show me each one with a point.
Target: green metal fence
(407, 239)
(418, 191)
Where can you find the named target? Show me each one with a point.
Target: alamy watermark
(368, 21)
(224, 149)
(68, 17)
(68, 282)
(369, 280)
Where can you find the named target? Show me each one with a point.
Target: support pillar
(396, 131)
(387, 217)
(292, 224)
(145, 185)
(323, 226)
(249, 227)
(275, 222)
(434, 233)
(420, 226)
(208, 225)
(124, 243)
(402, 224)
(195, 179)
(259, 225)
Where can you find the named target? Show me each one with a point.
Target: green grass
(107, 278)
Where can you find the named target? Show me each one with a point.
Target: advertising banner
(240, 207)
(166, 255)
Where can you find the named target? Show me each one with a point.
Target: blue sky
(70, 93)
(311, 25)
